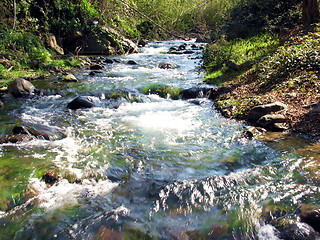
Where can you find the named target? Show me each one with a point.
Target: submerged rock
(40, 131)
(15, 138)
(80, 102)
(27, 133)
(251, 131)
(290, 229)
(21, 88)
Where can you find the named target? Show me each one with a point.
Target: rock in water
(80, 102)
(96, 67)
(21, 88)
(69, 78)
(312, 218)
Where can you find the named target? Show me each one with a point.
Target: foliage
(27, 44)
(299, 54)
(177, 16)
(249, 17)
(241, 51)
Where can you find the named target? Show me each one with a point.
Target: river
(154, 168)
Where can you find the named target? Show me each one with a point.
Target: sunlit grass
(242, 52)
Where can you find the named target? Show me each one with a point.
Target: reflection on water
(152, 169)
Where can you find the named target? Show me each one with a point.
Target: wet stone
(21, 88)
(293, 230)
(132, 62)
(80, 102)
(96, 67)
(50, 178)
(312, 218)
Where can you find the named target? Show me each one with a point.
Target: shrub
(249, 17)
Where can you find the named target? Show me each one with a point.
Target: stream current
(150, 169)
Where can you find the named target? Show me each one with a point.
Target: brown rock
(257, 112)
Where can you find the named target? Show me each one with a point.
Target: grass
(23, 55)
(243, 52)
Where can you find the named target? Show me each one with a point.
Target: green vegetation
(261, 54)
(162, 91)
(243, 52)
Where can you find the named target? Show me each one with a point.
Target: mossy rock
(162, 91)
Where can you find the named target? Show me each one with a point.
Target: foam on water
(64, 194)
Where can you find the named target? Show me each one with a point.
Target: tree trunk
(14, 14)
(310, 12)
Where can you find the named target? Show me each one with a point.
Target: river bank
(290, 75)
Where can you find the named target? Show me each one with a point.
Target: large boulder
(195, 92)
(257, 112)
(21, 88)
(102, 41)
(29, 132)
(270, 119)
(80, 102)
(290, 229)
(40, 132)
(311, 217)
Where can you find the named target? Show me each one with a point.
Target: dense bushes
(249, 17)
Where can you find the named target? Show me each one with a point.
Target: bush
(26, 46)
(250, 17)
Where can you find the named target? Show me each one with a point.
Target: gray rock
(258, 111)
(312, 218)
(166, 66)
(80, 102)
(69, 78)
(40, 132)
(96, 67)
(21, 88)
(290, 229)
(271, 119)
(251, 131)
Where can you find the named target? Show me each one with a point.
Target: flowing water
(154, 168)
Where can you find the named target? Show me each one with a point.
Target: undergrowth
(242, 52)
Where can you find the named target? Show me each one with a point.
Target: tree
(310, 11)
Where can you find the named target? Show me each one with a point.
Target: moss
(162, 91)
